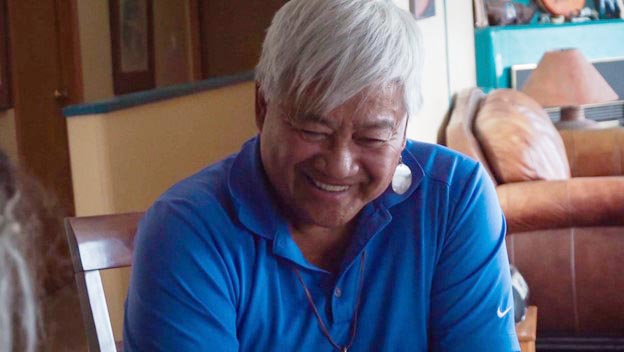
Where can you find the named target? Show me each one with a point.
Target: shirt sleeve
(471, 298)
(181, 296)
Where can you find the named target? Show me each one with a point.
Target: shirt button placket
(338, 292)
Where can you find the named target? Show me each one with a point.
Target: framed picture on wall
(132, 45)
(5, 92)
(422, 8)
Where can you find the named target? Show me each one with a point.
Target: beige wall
(95, 49)
(122, 161)
(8, 137)
(461, 50)
(444, 72)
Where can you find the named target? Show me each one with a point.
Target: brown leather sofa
(562, 193)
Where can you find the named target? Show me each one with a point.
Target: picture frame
(132, 45)
(422, 8)
(6, 101)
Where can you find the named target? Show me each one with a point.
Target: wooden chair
(98, 243)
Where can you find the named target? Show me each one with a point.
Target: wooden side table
(527, 330)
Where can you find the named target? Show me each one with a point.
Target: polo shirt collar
(251, 191)
(376, 215)
(256, 206)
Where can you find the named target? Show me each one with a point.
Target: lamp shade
(566, 78)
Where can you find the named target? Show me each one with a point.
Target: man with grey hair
(329, 231)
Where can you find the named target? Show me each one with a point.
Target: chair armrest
(595, 152)
(577, 202)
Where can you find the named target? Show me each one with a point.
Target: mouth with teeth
(328, 187)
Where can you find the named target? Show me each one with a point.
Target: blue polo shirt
(214, 267)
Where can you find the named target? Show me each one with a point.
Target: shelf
(149, 96)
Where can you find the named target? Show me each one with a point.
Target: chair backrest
(457, 131)
(509, 133)
(518, 139)
(98, 243)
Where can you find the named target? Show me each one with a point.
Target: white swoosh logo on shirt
(502, 313)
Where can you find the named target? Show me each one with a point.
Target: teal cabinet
(498, 48)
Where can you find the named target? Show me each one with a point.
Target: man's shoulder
(208, 184)
(193, 211)
(201, 202)
(440, 163)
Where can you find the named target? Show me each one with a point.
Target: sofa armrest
(597, 152)
(577, 202)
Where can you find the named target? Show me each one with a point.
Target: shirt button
(338, 292)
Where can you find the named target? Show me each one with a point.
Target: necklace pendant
(344, 349)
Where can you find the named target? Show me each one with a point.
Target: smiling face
(326, 168)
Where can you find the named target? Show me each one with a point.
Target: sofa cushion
(519, 140)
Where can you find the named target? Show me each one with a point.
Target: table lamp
(564, 78)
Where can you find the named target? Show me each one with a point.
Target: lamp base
(573, 117)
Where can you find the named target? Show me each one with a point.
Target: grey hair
(19, 314)
(336, 49)
(17, 292)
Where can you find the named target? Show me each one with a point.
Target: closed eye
(313, 135)
(374, 138)
(371, 142)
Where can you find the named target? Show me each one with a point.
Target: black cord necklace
(322, 325)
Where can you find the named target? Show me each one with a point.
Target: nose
(338, 162)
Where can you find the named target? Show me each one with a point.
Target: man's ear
(261, 108)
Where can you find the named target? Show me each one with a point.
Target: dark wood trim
(231, 34)
(70, 57)
(6, 100)
(128, 82)
(36, 76)
(199, 35)
(194, 33)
